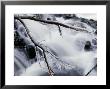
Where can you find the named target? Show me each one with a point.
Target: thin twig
(91, 70)
(59, 30)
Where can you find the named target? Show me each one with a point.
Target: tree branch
(27, 30)
(52, 22)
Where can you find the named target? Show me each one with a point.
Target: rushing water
(72, 58)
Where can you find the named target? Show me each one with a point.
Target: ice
(68, 48)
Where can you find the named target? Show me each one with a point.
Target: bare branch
(53, 22)
(27, 30)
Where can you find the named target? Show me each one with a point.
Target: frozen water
(71, 59)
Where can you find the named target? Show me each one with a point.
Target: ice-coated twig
(56, 57)
(28, 32)
(52, 22)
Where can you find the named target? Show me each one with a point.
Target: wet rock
(18, 42)
(87, 46)
(31, 52)
(94, 41)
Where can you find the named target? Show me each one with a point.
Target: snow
(68, 48)
(88, 16)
